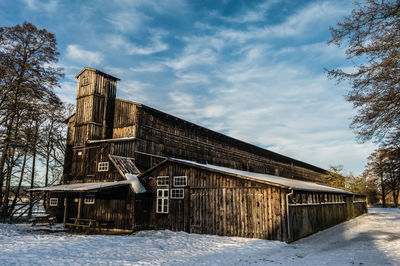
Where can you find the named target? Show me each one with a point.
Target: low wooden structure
(208, 199)
(112, 141)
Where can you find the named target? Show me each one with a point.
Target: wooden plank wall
(125, 119)
(221, 205)
(164, 135)
(306, 220)
(330, 209)
(94, 107)
(84, 166)
(114, 205)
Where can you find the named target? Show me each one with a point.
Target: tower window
(85, 81)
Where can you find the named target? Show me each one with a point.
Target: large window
(177, 193)
(180, 181)
(162, 200)
(102, 167)
(53, 202)
(162, 180)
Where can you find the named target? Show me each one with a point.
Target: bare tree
(372, 36)
(26, 58)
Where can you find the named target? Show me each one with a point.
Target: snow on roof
(80, 187)
(135, 183)
(282, 181)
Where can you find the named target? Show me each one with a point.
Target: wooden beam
(66, 202)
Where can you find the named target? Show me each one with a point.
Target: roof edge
(97, 71)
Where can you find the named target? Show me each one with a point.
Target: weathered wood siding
(94, 107)
(115, 206)
(165, 135)
(313, 212)
(56, 211)
(85, 161)
(219, 204)
(125, 119)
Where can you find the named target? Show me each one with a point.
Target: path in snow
(371, 239)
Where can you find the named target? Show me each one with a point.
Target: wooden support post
(66, 201)
(79, 206)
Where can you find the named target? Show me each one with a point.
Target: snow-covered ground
(371, 239)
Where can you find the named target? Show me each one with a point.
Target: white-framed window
(89, 199)
(180, 181)
(162, 200)
(177, 193)
(162, 180)
(53, 202)
(102, 166)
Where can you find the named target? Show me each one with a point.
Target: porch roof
(82, 187)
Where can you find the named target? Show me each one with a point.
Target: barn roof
(288, 183)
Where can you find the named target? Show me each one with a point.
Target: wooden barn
(117, 152)
(208, 199)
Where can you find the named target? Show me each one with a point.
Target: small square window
(89, 199)
(85, 81)
(102, 167)
(53, 202)
(162, 180)
(180, 181)
(177, 193)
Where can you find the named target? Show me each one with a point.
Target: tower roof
(97, 71)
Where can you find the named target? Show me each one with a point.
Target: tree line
(32, 129)
(371, 34)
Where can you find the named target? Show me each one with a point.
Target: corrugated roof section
(281, 181)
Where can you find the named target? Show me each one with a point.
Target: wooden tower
(94, 106)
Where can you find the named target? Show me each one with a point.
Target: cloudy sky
(253, 70)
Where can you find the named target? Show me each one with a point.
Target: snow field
(371, 239)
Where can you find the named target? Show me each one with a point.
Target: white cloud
(255, 14)
(156, 45)
(128, 21)
(182, 101)
(191, 58)
(134, 90)
(161, 7)
(302, 23)
(191, 77)
(147, 68)
(85, 57)
(38, 5)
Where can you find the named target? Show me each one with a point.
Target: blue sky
(253, 70)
